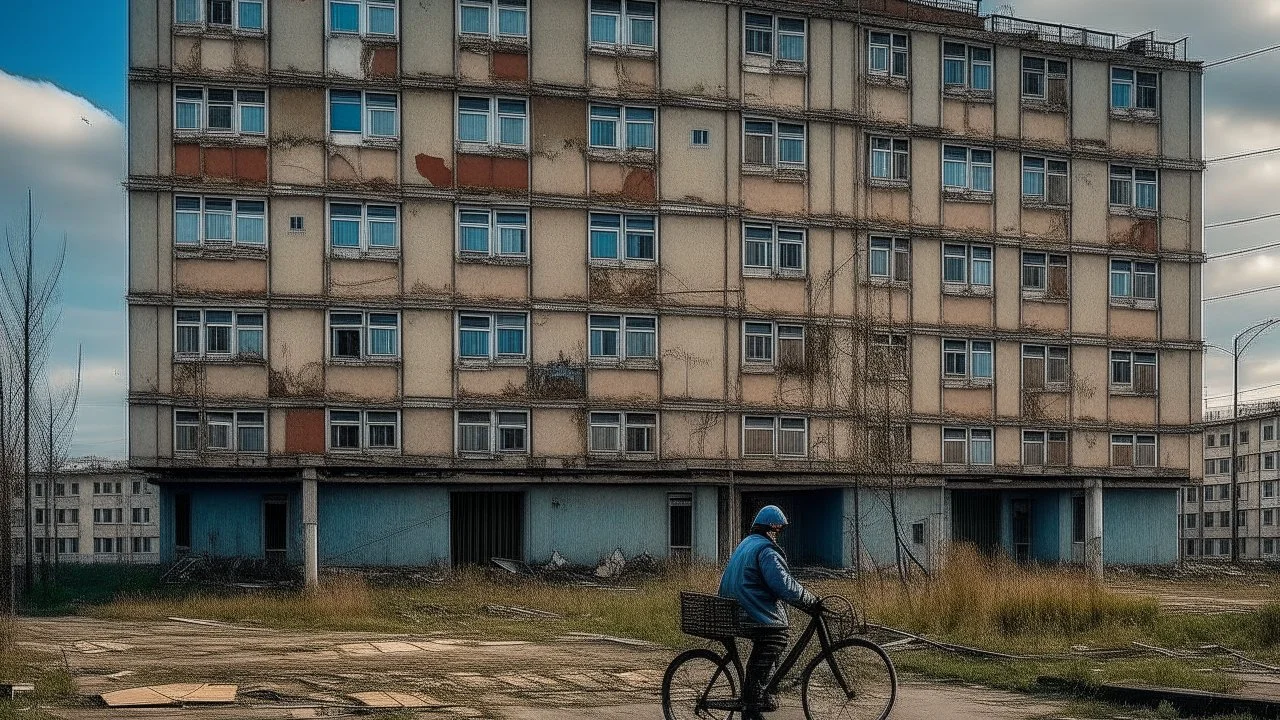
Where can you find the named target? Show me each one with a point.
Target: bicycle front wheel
(699, 684)
(853, 680)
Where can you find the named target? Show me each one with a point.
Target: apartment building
(1209, 520)
(448, 280)
(92, 511)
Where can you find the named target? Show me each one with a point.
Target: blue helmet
(770, 515)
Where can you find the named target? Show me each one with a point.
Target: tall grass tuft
(1267, 620)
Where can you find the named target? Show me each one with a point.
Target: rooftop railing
(1145, 45)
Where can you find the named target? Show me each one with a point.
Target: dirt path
(292, 674)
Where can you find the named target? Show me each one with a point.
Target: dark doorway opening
(275, 528)
(1021, 521)
(182, 522)
(486, 525)
(680, 526)
(975, 519)
(814, 533)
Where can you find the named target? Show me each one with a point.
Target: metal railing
(964, 6)
(1251, 409)
(1146, 44)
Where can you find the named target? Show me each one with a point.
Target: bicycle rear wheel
(694, 679)
(853, 680)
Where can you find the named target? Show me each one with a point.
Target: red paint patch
(251, 164)
(475, 170)
(186, 160)
(509, 66)
(640, 185)
(304, 432)
(511, 173)
(433, 169)
(219, 162)
(384, 62)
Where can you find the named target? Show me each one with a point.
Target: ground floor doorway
(486, 525)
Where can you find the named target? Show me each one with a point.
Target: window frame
(493, 232)
(775, 62)
(365, 134)
(493, 356)
(971, 264)
(890, 52)
(1131, 276)
(622, 425)
(366, 329)
(235, 25)
(237, 106)
(495, 427)
(1050, 167)
(1134, 83)
(1045, 73)
(622, 258)
(1128, 175)
(623, 29)
(364, 425)
(968, 444)
(1133, 442)
(894, 156)
(622, 339)
(892, 363)
(776, 136)
(969, 353)
(234, 353)
(1130, 359)
(363, 24)
(494, 115)
(365, 246)
(971, 166)
(1047, 354)
(202, 424)
(796, 235)
(236, 215)
(621, 127)
(776, 431)
(494, 11)
(1046, 439)
(968, 87)
(775, 339)
(891, 248)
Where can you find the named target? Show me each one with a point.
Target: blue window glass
(513, 21)
(253, 119)
(382, 225)
(473, 119)
(640, 128)
(475, 20)
(344, 224)
(510, 333)
(604, 126)
(382, 19)
(604, 335)
(344, 111)
(604, 235)
(344, 17)
(473, 336)
(188, 11)
(250, 15)
(474, 232)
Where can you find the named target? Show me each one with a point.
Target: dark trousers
(767, 644)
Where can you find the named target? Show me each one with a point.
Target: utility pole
(1239, 344)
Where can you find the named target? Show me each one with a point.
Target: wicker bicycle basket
(708, 616)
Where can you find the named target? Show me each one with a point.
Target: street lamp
(1239, 344)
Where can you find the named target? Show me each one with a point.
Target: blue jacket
(758, 578)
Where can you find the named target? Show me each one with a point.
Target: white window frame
(366, 330)
(494, 10)
(972, 261)
(497, 423)
(897, 150)
(1041, 265)
(623, 18)
(622, 339)
(494, 116)
(203, 23)
(240, 419)
(367, 109)
(969, 440)
(494, 225)
(970, 64)
(889, 248)
(775, 33)
(367, 223)
(1046, 72)
(364, 425)
(235, 216)
(600, 112)
(1048, 354)
(1134, 440)
(971, 166)
(776, 430)
(891, 51)
(1133, 83)
(1129, 183)
(780, 235)
(621, 422)
(1046, 438)
(1132, 273)
(1130, 359)
(234, 329)
(365, 10)
(971, 350)
(1049, 170)
(624, 228)
(777, 333)
(775, 143)
(493, 355)
(240, 100)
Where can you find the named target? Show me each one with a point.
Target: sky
(62, 109)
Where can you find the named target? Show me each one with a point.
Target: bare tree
(57, 416)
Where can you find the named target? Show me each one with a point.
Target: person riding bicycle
(757, 577)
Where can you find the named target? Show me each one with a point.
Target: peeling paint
(383, 62)
(433, 169)
(304, 431)
(509, 66)
(640, 185)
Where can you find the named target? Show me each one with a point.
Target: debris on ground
(611, 566)
(232, 573)
(591, 637)
(512, 610)
(557, 562)
(170, 695)
(388, 699)
(12, 690)
(516, 567)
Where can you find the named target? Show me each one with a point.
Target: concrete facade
(1205, 521)
(699, 251)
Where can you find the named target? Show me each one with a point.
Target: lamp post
(1239, 344)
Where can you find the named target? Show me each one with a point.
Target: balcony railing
(1146, 44)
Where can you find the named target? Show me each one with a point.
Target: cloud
(71, 155)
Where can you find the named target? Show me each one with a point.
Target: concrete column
(1093, 528)
(310, 535)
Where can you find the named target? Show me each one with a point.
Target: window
(1134, 90)
(623, 337)
(218, 334)
(143, 544)
(966, 169)
(68, 516)
(699, 138)
(363, 17)
(140, 515)
(1210, 440)
(889, 443)
(1268, 432)
(1044, 448)
(639, 131)
(39, 516)
(623, 23)
(1244, 437)
(890, 159)
(1189, 521)
(1224, 466)
(364, 114)
(967, 265)
(108, 545)
(966, 67)
(1045, 180)
(69, 546)
(137, 487)
(1133, 371)
(769, 249)
(493, 121)
(1134, 451)
(888, 355)
(1044, 79)
(487, 432)
(1269, 517)
(99, 488)
(476, 18)
(367, 430)
(219, 431)
(1269, 461)
(1045, 367)
(363, 226)
(1224, 439)
(623, 433)
(1242, 519)
(887, 54)
(890, 258)
(225, 111)
(917, 533)
(357, 335)
(108, 516)
(1134, 188)
(773, 143)
(1133, 279)
(236, 14)
(623, 238)
(967, 446)
(761, 339)
(492, 336)
(1077, 518)
(295, 223)
(502, 233)
(1209, 518)
(775, 436)
(680, 525)
(215, 222)
(1269, 489)
(1268, 546)
(1045, 275)
(967, 359)
(778, 39)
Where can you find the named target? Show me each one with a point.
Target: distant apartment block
(417, 282)
(1207, 522)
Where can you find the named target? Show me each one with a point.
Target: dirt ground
(291, 674)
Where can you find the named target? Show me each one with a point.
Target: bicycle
(851, 677)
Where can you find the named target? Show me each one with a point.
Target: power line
(1237, 156)
(1225, 223)
(1242, 292)
(1242, 56)
(1242, 392)
(1233, 253)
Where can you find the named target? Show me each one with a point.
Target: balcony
(1145, 45)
